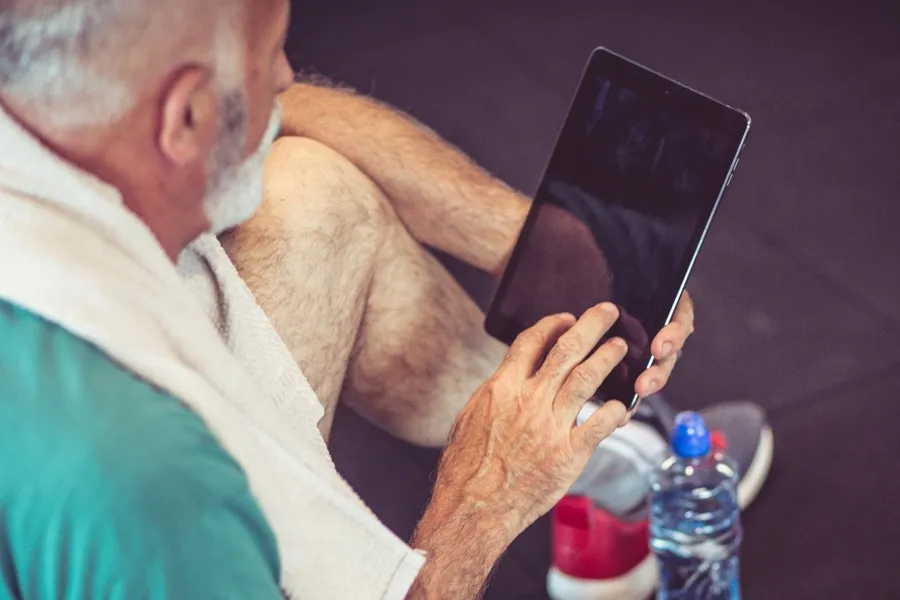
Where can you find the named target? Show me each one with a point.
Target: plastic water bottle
(695, 528)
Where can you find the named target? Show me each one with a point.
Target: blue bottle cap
(690, 437)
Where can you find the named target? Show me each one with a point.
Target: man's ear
(188, 117)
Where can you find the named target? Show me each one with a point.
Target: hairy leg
(370, 316)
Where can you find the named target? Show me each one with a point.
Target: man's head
(172, 102)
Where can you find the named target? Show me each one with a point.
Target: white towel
(71, 252)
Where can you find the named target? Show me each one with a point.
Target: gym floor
(797, 289)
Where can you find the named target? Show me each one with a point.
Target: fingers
(673, 336)
(685, 309)
(666, 348)
(584, 379)
(656, 377)
(630, 414)
(532, 345)
(599, 426)
(574, 345)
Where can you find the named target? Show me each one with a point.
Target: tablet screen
(630, 188)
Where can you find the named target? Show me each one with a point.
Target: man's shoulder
(67, 408)
(73, 420)
(116, 472)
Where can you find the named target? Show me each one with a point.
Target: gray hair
(82, 61)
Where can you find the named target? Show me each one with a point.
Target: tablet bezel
(706, 111)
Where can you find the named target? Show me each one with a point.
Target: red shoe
(597, 556)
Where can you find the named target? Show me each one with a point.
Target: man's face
(268, 71)
(234, 188)
(249, 122)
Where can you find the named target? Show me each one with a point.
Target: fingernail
(609, 308)
(654, 386)
(666, 350)
(620, 343)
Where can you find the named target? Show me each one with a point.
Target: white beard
(236, 192)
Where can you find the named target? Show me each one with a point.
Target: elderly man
(164, 431)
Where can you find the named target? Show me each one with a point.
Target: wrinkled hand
(515, 448)
(666, 347)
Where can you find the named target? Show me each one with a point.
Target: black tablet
(639, 168)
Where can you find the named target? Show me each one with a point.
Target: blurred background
(797, 288)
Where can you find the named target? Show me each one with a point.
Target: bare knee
(307, 176)
(313, 196)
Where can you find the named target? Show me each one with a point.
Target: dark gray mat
(798, 289)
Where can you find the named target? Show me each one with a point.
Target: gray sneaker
(617, 477)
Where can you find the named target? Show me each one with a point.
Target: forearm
(463, 544)
(444, 199)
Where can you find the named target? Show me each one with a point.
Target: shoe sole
(639, 582)
(758, 471)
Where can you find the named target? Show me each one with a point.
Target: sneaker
(600, 530)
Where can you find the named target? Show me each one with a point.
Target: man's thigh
(308, 256)
(369, 315)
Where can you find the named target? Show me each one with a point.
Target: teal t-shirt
(112, 489)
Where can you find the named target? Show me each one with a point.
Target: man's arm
(514, 451)
(462, 543)
(444, 199)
